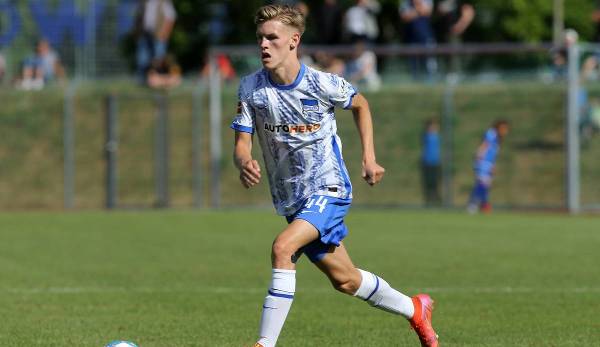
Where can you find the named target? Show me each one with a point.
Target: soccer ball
(121, 344)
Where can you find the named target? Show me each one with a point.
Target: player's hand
(372, 172)
(250, 173)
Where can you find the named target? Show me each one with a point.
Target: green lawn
(199, 278)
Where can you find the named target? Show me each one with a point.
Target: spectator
(360, 22)
(164, 73)
(153, 26)
(596, 20)
(453, 17)
(40, 68)
(560, 58)
(589, 124)
(219, 24)
(329, 63)
(2, 67)
(328, 19)
(310, 34)
(302, 7)
(361, 69)
(416, 14)
(484, 166)
(431, 163)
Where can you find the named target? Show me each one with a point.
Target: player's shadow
(539, 145)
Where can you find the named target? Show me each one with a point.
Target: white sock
(277, 305)
(378, 293)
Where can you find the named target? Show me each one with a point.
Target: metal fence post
(111, 147)
(197, 174)
(448, 141)
(215, 132)
(68, 147)
(572, 132)
(161, 146)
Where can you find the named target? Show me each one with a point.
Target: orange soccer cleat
(421, 320)
(258, 345)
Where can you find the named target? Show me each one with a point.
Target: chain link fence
(54, 142)
(89, 36)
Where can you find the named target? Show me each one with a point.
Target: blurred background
(126, 104)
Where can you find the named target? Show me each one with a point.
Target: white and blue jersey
(297, 131)
(484, 166)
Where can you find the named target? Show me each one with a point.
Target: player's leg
(346, 278)
(484, 196)
(478, 194)
(280, 295)
(436, 184)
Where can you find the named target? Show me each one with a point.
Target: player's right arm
(243, 124)
(242, 158)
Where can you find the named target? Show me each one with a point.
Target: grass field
(198, 279)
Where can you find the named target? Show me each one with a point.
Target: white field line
(237, 290)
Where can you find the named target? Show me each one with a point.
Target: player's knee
(282, 250)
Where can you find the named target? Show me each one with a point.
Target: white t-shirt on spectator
(360, 20)
(151, 13)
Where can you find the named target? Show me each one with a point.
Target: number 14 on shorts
(320, 202)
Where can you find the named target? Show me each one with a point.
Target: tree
(527, 20)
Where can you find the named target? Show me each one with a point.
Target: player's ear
(295, 40)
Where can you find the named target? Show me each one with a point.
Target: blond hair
(282, 13)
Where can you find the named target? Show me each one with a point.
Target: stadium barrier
(54, 161)
(571, 117)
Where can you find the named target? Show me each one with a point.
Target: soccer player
(484, 166)
(291, 108)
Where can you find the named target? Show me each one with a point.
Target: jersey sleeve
(244, 119)
(490, 136)
(340, 91)
(169, 10)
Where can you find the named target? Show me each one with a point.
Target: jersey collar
(288, 86)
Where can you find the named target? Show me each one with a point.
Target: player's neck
(285, 74)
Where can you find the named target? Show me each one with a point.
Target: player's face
(277, 43)
(503, 130)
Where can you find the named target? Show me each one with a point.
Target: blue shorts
(484, 177)
(326, 214)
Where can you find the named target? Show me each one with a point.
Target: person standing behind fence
(484, 166)
(2, 67)
(416, 14)
(360, 21)
(361, 68)
(40, 68)
(153, 26)
(431, 163)
(329, 18)
(451, 19)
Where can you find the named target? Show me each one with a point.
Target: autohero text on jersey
(293, 128)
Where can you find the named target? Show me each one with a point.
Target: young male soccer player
(484, 166)
(291, 108)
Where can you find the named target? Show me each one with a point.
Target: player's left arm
(482, 149)
(371, 171)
